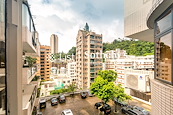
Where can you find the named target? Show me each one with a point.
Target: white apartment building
(144, 62)
(122, 62)
(71, 71)
(47, 87)
(120, 66)
(54, 70)
(57, 82)
(62, 70)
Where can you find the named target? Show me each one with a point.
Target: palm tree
(72, 87)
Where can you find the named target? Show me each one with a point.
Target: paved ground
(83, 106)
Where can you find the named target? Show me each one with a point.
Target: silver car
(67, 112)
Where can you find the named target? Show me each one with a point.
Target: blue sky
(66, 17)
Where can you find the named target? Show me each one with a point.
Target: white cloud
(66, 17)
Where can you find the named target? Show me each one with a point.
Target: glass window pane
(163, 23)
(164, 58)
(25, 16)
(2, 58)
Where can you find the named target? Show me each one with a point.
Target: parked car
(66, 112)
(54, 101)
(98, 105)
(134, 110)
(39, 113)
(120, 103)
(42, 104)
(103, 107)
(145, 112)
(61, 99)
(83, 95)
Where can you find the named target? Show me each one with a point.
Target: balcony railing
(29, 73)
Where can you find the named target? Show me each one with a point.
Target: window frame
(157, 37)
(160, 18)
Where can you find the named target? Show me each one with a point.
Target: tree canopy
(132, 47)
(104, 86)
(72, 51)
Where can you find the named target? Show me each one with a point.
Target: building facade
(45, 63)
(87, 43)
(3, 92)
(19, 42)
(158, 19)
(119, 61)
(71, 71)
(54, 44)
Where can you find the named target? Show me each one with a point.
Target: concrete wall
(135, 26)
(161, 98)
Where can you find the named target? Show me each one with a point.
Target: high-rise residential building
(87, 43)
(152, 20)
(54, 44)
(45, 62)
(19, 46)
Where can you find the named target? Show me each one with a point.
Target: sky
(65, 17)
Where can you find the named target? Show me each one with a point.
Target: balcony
(30, 43)
(29, 34)
(28, 74)
(29, 98)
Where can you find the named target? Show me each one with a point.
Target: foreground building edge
(155, 11)
(19, 84)
(13, 47)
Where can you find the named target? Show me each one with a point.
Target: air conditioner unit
(138, 82)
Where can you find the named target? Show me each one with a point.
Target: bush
(58, 91)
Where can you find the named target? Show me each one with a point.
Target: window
(164, 58)
(25, 16)
(164, 23)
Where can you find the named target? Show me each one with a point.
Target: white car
(67, 112)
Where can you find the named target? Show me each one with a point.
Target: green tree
(72, 51)
(120, 95)
(72, 88)
(104, 87)
(110, 75)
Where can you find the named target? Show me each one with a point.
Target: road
(81, 106)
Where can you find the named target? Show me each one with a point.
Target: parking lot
(80, 106)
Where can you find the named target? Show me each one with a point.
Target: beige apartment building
(54, 44)
(45, 62)
(87, 67)
(19, 44)
(152, 20)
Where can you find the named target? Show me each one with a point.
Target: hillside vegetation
(132, 47)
